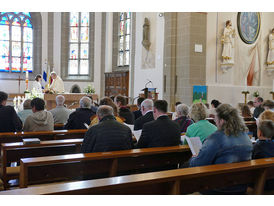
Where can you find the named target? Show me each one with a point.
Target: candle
(273, 86)
(245, 86)
(27, 74)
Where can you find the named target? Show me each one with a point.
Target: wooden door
(116, 83)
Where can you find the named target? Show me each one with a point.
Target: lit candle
(245, 86)
(27, 74)
(273, 86)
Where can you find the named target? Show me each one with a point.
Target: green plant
(89, 89)
(256, 94)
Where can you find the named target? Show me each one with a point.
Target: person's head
(103, 111)
(53, 75)
(266, 115)
(229, 120)
(250, 104)
(60, 99)
(37, 104)
(198, 112)
(120, 101)
(182, 110)
(146, 105)
(85, 102)
(273, 30)
(108, 101)
(27, 104)
(38, 78)
(160, 108)
(3, 98)
(139, 102)
(265, 130)
(246, 111)
(228, 23)
(258, 101)
(268, 104)
(215, 103)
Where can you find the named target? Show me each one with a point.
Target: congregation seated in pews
(108, 133)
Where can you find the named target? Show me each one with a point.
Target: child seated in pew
(264, 147)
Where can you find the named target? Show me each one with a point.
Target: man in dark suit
(160, 132)
(81, 116)
(9, 121)
(147, 112)
(138, 112)
(124, 111)
(258, 107)
(108, 134)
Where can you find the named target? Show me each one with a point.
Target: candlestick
(245, 93)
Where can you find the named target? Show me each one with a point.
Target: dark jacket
(78, 118)
(138, 123)
(9, 121)
(184, 122)
(137, 114)
(107, 135)
(258, 111)
(127, 114)
(160, 133)
(264, 149)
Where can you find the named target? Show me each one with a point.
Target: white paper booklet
(194, 144)
(131, 126)
(137, 134)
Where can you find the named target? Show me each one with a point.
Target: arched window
(16, 42)
(124, 38)
(77, 45)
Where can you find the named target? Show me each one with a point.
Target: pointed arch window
(124, 38)
(79, 44)
(16, 42)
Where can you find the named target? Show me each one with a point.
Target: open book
(136, 133)
(194, 144)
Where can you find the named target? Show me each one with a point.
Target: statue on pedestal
(228, 47)
(270, 56)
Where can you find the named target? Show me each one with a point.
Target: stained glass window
(79, 43)
(124, 38)
(16, 42)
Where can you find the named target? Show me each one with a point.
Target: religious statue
(228, 46)
(270, 57)
(146, 27)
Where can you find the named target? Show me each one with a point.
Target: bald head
(104, 111)
(85, 102)
(60, 99)
(146, 105)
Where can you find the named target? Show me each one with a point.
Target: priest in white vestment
(57, 85)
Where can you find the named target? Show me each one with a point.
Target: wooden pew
(101, 164)
(178, 181)
(252, 126)
(59, 126)
(13, 152)
(8, 137)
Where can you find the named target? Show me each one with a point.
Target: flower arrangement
(89, 89)
(256, 94)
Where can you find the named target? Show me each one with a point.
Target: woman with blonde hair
(227, 145)
(201, 128)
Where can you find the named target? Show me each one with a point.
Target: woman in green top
(201, 128)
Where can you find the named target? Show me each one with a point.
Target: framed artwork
(249, 24)
(199, 94)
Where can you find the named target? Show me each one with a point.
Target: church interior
(202, 67)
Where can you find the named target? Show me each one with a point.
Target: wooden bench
(59, 126)
(8, 137)
(13, 152)
(252, 126)
(101, 164)
(178, 181)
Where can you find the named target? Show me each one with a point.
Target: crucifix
(19, 83)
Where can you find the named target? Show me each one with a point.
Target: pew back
(101, 164)
(179, 181)
(13, 152)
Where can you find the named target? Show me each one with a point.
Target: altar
(71, 99)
